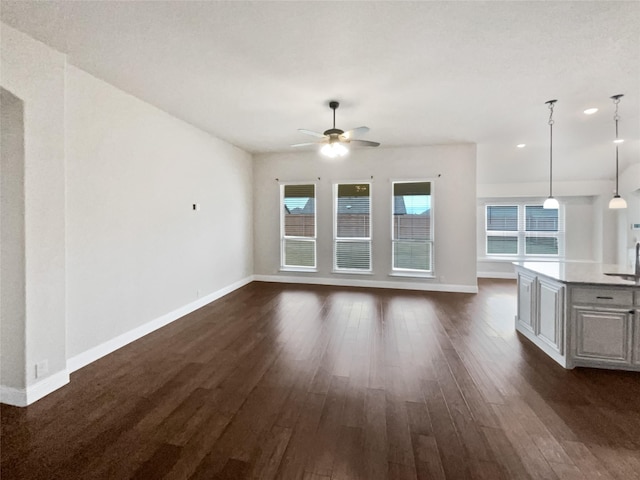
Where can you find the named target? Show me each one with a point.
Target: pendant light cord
(551, 104)
(617, 201)
(616, 117)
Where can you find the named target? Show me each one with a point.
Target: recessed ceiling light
(590, 111)
(521, 145)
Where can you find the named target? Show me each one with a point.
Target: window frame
(337, 239)
(521, 232)
(410, 272)
(298, 268)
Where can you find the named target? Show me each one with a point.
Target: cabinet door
(550, 325)
(526, 301)
(603, 335)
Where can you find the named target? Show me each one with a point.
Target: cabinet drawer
(602, 296)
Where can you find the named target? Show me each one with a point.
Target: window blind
(352, 231)
(298, 226)
(524, 230)
(502, 223)
(411, 231)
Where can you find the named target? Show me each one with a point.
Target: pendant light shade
(617, 202)
(551, 203)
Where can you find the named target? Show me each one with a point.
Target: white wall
(627, 238)
(12, 243)
(35, 73)
(112, 246)
(580, 228)
(135, 248)
(630, 237)
(630, 179)
(452, 169)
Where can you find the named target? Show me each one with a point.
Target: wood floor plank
(322, 456)
(452, 453)
(375, 432)
(159, 464)
(349, 456)
(199, 446)
(505, 453)
(590, 467)
(533, 460)
(286, 381)
(271, 447)
(428, 463)
(301, 444)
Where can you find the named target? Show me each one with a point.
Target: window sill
(412, 275)
(515, 258)
(353, 272)
(298, 269)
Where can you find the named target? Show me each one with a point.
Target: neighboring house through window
(298, 227)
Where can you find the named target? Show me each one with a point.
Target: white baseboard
(356, 282)
(509, 275)
(13, 396)
(85, 358)
(23, 397)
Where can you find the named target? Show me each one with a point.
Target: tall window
(524, 230)
(298, 226)
(412, 232)
(352, 227)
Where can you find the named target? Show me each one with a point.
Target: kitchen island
(579, 315)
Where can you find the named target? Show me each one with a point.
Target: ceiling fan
(336, 140)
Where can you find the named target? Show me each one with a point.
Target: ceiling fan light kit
(334, 140)
(334, 150)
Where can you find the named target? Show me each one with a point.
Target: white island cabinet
(578, 315)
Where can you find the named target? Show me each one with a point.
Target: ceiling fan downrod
(334, 131)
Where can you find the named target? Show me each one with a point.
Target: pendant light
(551, 203)
(617, 201)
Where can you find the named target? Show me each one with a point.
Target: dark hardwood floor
(308, 382)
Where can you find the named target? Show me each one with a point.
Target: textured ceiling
(416, 73)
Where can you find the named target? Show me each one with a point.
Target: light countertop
(579, 272)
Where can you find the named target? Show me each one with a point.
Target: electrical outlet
(42, 368)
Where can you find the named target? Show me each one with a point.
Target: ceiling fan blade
(311, 132)
(306, 144)
(365, 143)
(355, 132)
